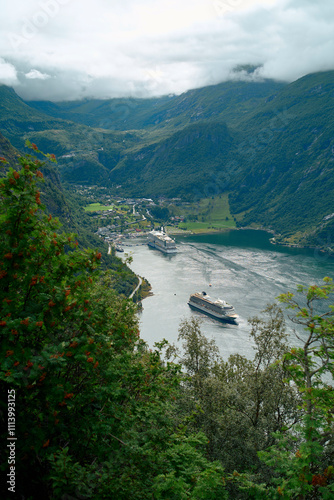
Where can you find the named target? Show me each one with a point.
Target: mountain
(17, 118)
(225, 101)
(19, 122)
(177, 165)
(163, 147)
(268, 144)
(286, 181)
(60, 204)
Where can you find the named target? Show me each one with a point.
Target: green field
(210, 214)
(96, 207)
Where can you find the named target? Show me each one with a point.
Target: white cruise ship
(161, 241)
(218, 309)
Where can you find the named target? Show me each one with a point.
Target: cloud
(34, 74)
(8, 75)
(69, 49)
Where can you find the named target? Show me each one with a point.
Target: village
(116, 218)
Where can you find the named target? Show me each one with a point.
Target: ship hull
(218, 317)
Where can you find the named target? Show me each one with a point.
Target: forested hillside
(176, 166)
(287, 182)
(62, 205)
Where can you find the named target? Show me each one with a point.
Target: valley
(265, 147)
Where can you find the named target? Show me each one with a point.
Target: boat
(218, 309)
(161, 241)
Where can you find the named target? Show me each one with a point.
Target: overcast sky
(70, 49)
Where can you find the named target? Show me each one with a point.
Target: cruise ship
(161, 241)
(218, 309)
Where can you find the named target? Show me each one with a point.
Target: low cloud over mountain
(67, 49)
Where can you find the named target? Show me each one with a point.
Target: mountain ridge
(132, 113)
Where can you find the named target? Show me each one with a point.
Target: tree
(315, 357)
(238, 403)
(199, 353)
(94, 406)
(303, 456)
(54, 334)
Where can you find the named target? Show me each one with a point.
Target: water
(242, 268)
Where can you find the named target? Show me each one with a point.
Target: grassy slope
(212, 214)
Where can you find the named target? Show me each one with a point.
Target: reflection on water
(242, 268)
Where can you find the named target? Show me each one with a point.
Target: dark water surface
(242, 267)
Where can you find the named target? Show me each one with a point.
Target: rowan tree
(94, 406)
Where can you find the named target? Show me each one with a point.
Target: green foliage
(302, 457)
(94, 407)
(298, 465)
(315, 358)
(238, 404)
(199, 353)
(160, 213)
(49, 321)
(187, 467)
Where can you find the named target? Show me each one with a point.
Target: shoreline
(216, 231)
(272, 239)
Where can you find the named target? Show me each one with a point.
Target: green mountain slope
(19, 122)
(287, 169)
(177, 165)
(17, 118)
(7, 151)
